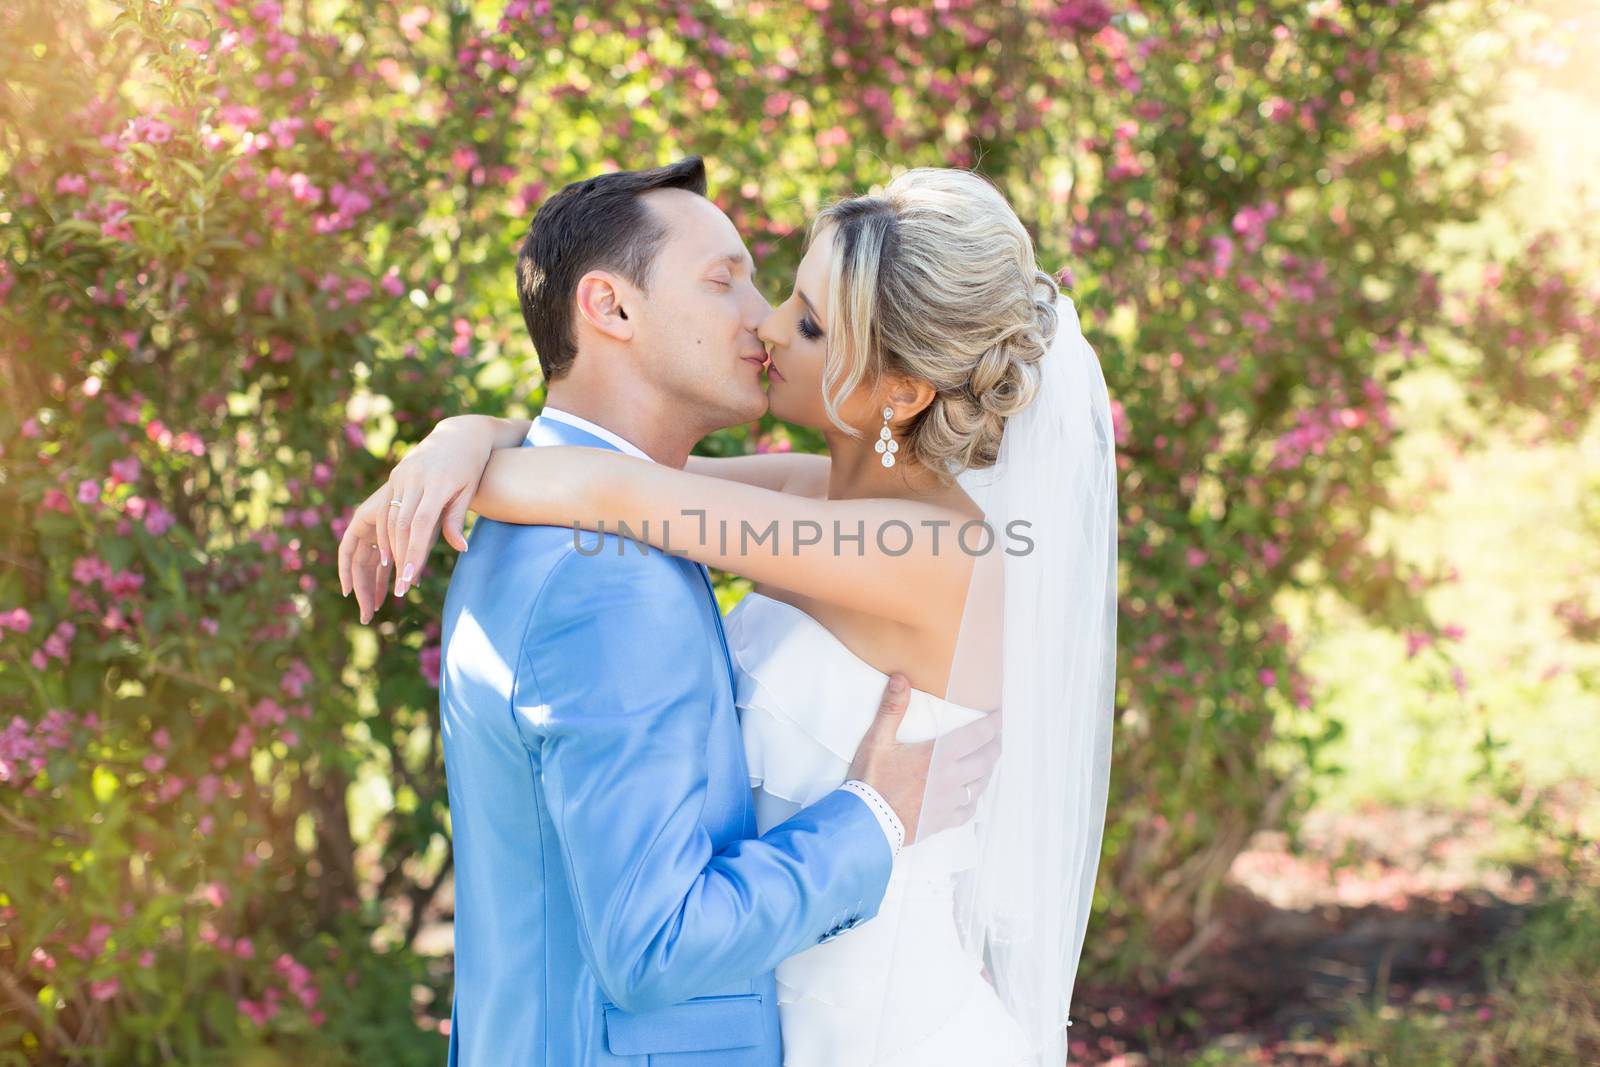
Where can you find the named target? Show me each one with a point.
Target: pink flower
(16, 619)
(124, 583)
(1119, 422)
(1416, 642)
(58, 643)
(159, 520)
(89, 569)
(1221, 254)
(1083, 16)
(256, 1013)
(429, 661)
(1268, 677)
(267, 712)
(95, 943)
(88, 491)
(295, 679)
(303, 190)
(1196, 557)
(104, 989)
(125, 470)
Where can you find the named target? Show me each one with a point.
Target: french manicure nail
(406, 575)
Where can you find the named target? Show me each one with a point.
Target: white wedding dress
(805, 701)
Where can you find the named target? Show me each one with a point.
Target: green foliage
(1542, 1008)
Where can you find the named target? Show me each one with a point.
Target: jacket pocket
(703, 1025)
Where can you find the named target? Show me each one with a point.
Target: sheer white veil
(1041, 619)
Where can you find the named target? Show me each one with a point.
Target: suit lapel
(716, 613)
(551, 432)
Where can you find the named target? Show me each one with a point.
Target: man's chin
(749, 409)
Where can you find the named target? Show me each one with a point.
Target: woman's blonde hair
(936, 279)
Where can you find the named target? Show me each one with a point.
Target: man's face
(696, 329)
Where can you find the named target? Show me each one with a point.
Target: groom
(614, 904)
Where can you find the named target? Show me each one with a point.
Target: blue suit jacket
(614, 904)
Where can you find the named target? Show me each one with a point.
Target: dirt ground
(1404, 917)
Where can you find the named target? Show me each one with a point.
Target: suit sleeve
(614, 691)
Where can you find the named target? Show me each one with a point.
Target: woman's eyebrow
(804, 300)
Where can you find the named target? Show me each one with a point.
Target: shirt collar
(557, 415)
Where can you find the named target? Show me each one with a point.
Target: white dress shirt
(893, 828)
(557, 415)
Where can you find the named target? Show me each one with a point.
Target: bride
(961, 531)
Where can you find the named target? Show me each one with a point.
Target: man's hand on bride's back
(394, 529)
(931, 785)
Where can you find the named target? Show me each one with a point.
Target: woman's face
(796, 338)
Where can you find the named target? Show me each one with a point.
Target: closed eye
(808, 329)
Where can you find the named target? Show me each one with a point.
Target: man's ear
(600, 302)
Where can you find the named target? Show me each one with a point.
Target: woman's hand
(432, 486)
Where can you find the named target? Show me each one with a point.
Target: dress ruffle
(900, 989)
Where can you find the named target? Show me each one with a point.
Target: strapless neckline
(833, 639)
(805, 701)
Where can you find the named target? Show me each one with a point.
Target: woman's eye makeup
(808, 329)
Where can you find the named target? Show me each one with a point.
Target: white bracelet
(885, 814)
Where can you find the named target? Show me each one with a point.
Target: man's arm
(614, 689)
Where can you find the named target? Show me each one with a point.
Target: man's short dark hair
(598, 223)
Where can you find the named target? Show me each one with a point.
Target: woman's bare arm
(859, 554)
(783, 472)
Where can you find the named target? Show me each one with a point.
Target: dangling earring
(886, 445)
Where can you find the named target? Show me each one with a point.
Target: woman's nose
(766, 329)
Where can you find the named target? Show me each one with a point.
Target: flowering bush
(247, 259)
